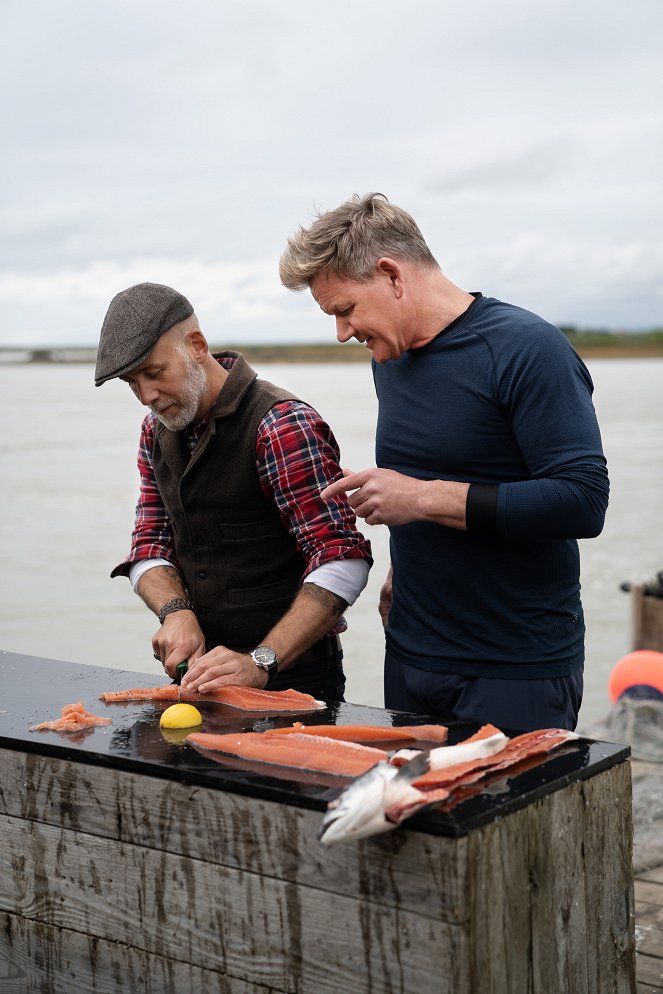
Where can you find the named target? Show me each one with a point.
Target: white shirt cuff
(344, 577)
(142, 565)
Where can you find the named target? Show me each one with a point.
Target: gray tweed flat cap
(134, 323)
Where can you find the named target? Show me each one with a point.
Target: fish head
(375, 802)
(359, 809)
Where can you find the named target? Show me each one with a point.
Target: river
(67, 459)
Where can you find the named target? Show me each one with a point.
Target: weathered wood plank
(552, 894)
(537, 901)
(499, 947)
(650, 914)
(60, 961)
(253, 927)
(649, 940)
(607, 845)
(650, 892)
(405, 870)
(557, 898)
(648, 989)
(650, 971)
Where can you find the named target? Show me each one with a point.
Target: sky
(182, 143)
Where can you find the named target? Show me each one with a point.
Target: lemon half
(181, 716)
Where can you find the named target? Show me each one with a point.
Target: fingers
(349, 481)
(195, 671)
(218, 668)
(179, 653)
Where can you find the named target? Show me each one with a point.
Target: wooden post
(647, 620)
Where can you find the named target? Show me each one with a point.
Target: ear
(392, 271)
(197, 344)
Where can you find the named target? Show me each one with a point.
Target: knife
(179, 673)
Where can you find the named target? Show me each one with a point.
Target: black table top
(35, 689)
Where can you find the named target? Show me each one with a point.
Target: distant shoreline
(589, 345)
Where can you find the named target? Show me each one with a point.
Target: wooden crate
(112, 881)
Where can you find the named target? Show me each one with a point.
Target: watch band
(176, 604)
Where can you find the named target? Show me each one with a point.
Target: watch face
(264, 657)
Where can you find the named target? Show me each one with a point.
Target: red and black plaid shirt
(296, 457)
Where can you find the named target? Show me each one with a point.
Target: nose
(145, 392)
(344, 330)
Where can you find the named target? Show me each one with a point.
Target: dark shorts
(517, 705)
(319, 672)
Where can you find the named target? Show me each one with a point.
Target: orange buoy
(638, 674)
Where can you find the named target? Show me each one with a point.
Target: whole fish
(379, 800)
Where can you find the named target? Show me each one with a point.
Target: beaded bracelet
(176, 604)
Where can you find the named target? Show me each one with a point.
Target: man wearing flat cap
(247, 569)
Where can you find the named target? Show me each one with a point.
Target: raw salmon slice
(167, 693)
(305, 752)
(73, 718)
(367, 733)
(252, 699)
(521, 747)
(244, 698)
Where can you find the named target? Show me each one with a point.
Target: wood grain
(143, 884)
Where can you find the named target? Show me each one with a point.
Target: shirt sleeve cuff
(141, 566)
(481, 509)
(344, 577)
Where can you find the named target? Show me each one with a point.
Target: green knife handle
(181, 670)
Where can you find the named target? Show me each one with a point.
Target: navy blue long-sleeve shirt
(499, 400)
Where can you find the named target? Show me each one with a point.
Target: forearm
(159, 585)
(312, 613)
(571, 507)
(443, 502)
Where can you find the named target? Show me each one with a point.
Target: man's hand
(384, 497)
(222, 667)
(179, 638)
(381, 496)
(384, 605)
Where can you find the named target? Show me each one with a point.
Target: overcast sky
(182, 143)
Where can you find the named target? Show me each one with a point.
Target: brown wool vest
(240, 564)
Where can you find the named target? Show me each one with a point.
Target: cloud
(184, 143)
(234, 301)
(613, 286)
(522, 168)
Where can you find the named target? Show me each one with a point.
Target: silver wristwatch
(266, 659)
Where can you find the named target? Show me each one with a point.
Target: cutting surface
(35, 689)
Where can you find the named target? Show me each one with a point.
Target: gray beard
(193, 390)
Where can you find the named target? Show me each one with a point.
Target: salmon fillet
(243, 698)
(367, 733)
(305, 752)
(73, 718)
(522, 746)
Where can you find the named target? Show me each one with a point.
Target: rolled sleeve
(297, 456)
(152, 536)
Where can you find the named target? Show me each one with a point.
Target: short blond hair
(349, 241)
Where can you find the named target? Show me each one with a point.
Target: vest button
(202, 575)
(202, 612)
(200, 543)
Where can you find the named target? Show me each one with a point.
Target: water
(67, 460)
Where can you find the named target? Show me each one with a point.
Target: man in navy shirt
(489, 468)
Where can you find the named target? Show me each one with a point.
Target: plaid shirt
(296, 457)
